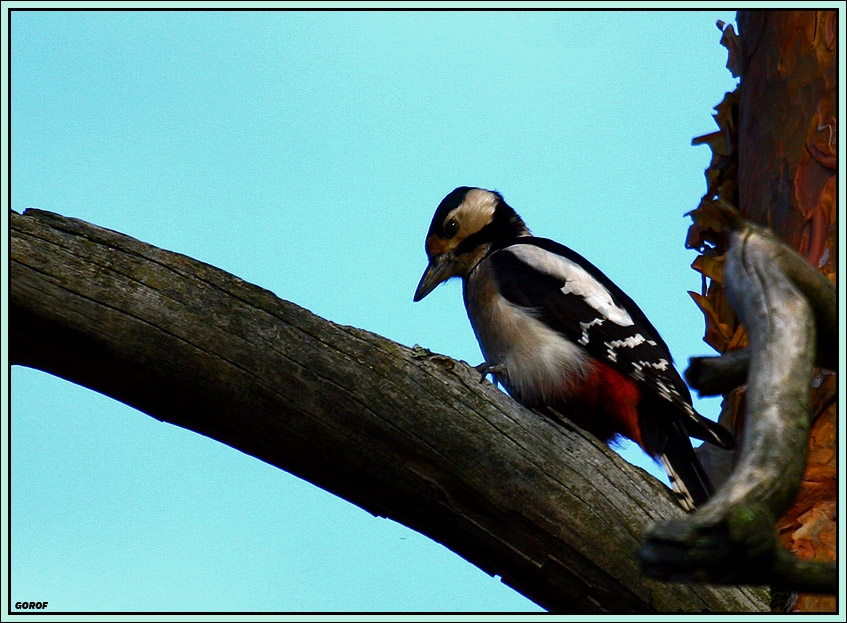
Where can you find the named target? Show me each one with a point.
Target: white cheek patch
(577, 281)
(474, 213)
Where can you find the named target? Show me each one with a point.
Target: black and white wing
(570, 295)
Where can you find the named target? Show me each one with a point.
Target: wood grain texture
(774, 157)
(788, 180)
(731, 539)
(398, 431)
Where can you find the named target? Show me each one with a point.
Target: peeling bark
(774, 157)
(731, 538)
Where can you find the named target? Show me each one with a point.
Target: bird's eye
(451, 227)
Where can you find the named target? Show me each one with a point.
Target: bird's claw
(486, 368)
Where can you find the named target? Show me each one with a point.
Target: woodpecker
(563, 339)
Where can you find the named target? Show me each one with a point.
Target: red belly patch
(611, 395)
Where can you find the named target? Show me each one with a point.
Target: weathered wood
(774, 157)
(712, 376)
(399, 432)
(788, 180)
(731, 539)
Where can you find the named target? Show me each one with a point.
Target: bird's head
(468, 224)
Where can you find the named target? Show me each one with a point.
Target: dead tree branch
(714, 376)
(784, 304)
(399, 432)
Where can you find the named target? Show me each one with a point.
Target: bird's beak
(440, 269)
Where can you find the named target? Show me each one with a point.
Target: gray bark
(398, 431)
(786, 306)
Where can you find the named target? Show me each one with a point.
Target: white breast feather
(577, 281)
(539, 362)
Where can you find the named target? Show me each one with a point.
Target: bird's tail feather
(702, 428)
(689, 482)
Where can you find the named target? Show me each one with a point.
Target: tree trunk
(400, 432)
(775, 159)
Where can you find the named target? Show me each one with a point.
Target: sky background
(306, 152)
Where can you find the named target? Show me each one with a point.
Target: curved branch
(780, 299)
(714, 376)
(397, 431)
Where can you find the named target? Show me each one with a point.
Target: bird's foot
(486, 368)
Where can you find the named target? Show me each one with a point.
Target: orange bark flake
(774, 157)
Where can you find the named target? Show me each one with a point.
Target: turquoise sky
(306, 152)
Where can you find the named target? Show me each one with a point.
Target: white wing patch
(660, 366)
(631, 342)
(585, 326)
(577, 281)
